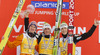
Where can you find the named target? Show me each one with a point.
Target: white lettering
(99, 10)
(19, 28)
(41, 4)
(81, 31)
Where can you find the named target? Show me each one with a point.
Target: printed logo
(45, 4)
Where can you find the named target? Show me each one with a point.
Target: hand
(26, 13)
(96, 22)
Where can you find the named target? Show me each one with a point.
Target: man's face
(47, 31)
(32, 29)
(64, 30)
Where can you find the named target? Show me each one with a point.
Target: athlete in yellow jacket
(46, 41)
(64, 40)
(27, 40)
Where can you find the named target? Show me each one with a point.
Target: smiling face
(64, 30)
(32, 29)
(47, 31)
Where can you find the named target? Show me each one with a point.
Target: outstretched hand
(96, 22)
(26, 13)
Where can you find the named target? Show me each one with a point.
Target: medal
(65, 47)
(29, 50)
(46, 45)
(64, 52)
(30, 44)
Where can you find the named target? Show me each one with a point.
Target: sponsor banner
(45, 11)
(48, 4)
